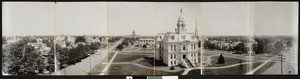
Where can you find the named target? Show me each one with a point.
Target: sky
(149, 18)
(34, 18)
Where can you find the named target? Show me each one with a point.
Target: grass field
(129, 69)
(236, 70)
(228, 61)
(128, 57)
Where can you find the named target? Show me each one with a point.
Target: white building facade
(149, 42)
(177, 48)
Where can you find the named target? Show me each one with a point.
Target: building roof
(146, 39)
(174, 37)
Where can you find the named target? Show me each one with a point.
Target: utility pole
(281, 62)
(281, 58)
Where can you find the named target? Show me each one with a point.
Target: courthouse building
(179, 47)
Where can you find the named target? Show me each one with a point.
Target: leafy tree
(120, 47)
(22, 59)
(95, 46)
(209, 45)
(221, 60)
(80, 39)
(3, 40)
(51, 61)
(279, 46)
(125, 42)
(289, 43)
(240, 47)
(33, 63)
(63, 55)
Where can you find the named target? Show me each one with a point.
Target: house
(149, 42)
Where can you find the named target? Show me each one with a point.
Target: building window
(191, 46)
(171, 47)
(183, 47)
(174, 56)
(172, 37)
(183, 36)
(192, 37)
(174, 47)
(171, 56)
(160, 37)
(194, 46)
(171, 62)
(175, 62)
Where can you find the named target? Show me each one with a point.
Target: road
(86, 65)
(105, 70)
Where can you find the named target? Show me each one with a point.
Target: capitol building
(179, 47)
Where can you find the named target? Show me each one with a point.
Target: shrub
(221, 59)
(172, 68)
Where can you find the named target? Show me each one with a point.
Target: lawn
(160, 72)
(146, 61)
(129, 69)
(228, 61)
(194, 72)
(110, 55)
(236, 70)
(128, 57)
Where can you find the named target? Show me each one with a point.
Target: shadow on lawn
(154, 62)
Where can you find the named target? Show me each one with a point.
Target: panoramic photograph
(150, 38)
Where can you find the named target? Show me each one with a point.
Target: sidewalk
(86, 65)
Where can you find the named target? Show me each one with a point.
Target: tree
(209, 45)
(22, 59)
(240, 47)
(80, 39)
(144, 46)
(120, 47)
(95, 46)
(3, 40)
(221, 60)
(279, 46)
(33, 63)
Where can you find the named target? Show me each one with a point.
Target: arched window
(184, 47)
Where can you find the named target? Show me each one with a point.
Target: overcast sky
(150, 18)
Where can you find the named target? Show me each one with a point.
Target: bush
(221, 59)
(172, 68)
(120, 47)
(144, 46)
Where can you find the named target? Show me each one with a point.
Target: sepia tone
(150, 38)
